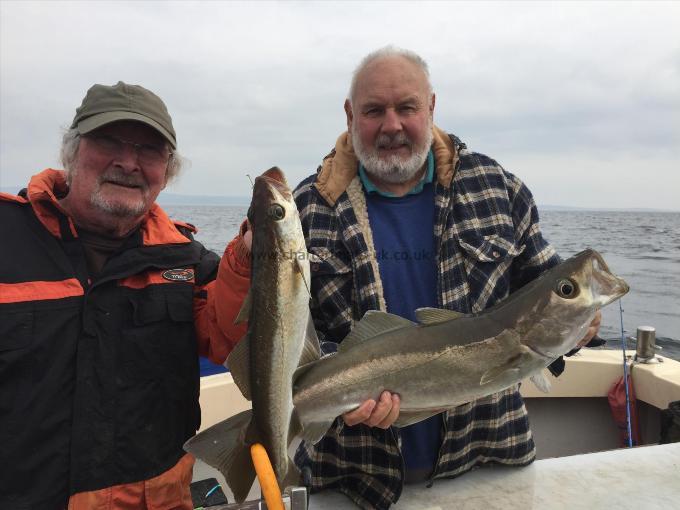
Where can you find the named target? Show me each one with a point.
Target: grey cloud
(251, 85)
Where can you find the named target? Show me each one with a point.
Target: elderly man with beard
(399, 216)
(105, 305)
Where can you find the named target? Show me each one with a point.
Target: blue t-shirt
(403, 235)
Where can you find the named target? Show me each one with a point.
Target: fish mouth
(606, 286)
(274, 178)
(269, 188)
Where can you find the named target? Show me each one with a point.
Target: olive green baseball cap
(104, 104)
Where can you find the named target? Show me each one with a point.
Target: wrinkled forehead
(391, 75)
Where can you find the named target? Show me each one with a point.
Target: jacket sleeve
(218, 302)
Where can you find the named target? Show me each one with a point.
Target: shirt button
(495, 254)
(314, 266)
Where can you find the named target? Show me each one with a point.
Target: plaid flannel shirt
(488, 245)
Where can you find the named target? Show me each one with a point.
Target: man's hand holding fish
(433, 293)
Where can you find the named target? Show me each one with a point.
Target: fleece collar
(341, 166)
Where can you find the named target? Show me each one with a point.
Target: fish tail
(226, 447)
(241, 473)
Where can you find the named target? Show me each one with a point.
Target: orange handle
(265, 474)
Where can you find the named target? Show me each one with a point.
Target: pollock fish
(448, 359)
(280, 337)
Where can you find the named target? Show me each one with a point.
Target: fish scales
(449, 359)
(443, 361)
(279, 305)
(264, 361)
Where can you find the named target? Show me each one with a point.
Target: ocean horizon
(643, 247)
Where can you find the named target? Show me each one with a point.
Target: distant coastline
(176, 199)
(179, 199)
(611, 209)
(172, 198)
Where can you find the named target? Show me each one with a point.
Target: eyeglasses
(147, 153)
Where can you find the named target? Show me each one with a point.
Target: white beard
(394, 169)
(115, 208)
(112, 206)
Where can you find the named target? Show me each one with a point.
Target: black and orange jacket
(99, 379)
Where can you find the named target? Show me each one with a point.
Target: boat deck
(627, 479)
(570, 421)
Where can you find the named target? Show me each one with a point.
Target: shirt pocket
(333, 292)
(16, 330)
(489, 248)
(157, 368)
(323, 262)
(487, 260)
(16, 336)
(160, 343)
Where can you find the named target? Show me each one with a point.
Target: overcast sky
(580, 100)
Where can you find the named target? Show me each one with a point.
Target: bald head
(411, 61)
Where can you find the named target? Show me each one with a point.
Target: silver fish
(263, 362)
(448, 358)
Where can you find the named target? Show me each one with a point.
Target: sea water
(641, 247)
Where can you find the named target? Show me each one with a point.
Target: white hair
(69, 155)
(386, 52)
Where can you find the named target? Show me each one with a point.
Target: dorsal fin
(427, 316)
(372, 324)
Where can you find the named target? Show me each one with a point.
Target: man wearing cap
(105, 305)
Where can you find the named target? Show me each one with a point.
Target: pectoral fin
(509, 370)
(541, 382)
(501, 372)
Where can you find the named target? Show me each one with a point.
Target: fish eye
(566, 288)
(277, 212)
